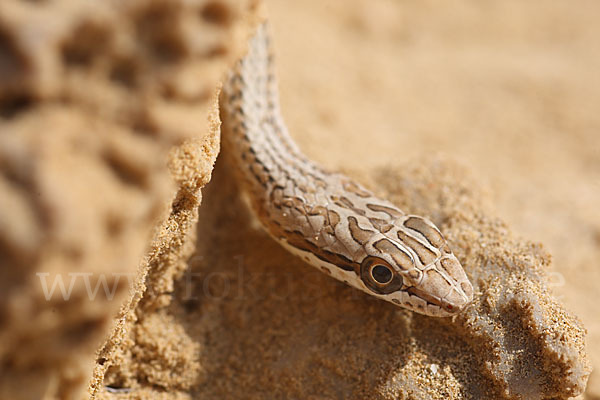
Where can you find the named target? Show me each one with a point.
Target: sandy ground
(482, 116)
(510, 88)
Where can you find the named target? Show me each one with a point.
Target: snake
(328, 219)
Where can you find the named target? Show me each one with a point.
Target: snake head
(412, 266)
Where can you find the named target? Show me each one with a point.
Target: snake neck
(294, 198)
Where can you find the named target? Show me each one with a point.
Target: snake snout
(446, 286)
(455, 301)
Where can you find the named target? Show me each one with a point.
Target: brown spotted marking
(323, 212)
(352, 187)
(345, 202)
(359, 234)
(305, 189)
(381, 225)
(334, 218)
(433, 236)
(298, 204)
(392, 212)
(318, 210)
(403, 260)
(425, 255)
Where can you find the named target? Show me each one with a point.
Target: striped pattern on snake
(326, 218)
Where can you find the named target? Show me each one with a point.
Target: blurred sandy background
(512, 88)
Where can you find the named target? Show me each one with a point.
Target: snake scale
(326, 218)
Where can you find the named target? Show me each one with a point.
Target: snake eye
(378, 276)
(381, 274)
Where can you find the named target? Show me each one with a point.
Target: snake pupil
(381, 274)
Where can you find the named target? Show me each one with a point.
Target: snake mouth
(425, 296)
(446, 306)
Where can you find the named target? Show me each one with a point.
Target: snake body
(326, 218)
